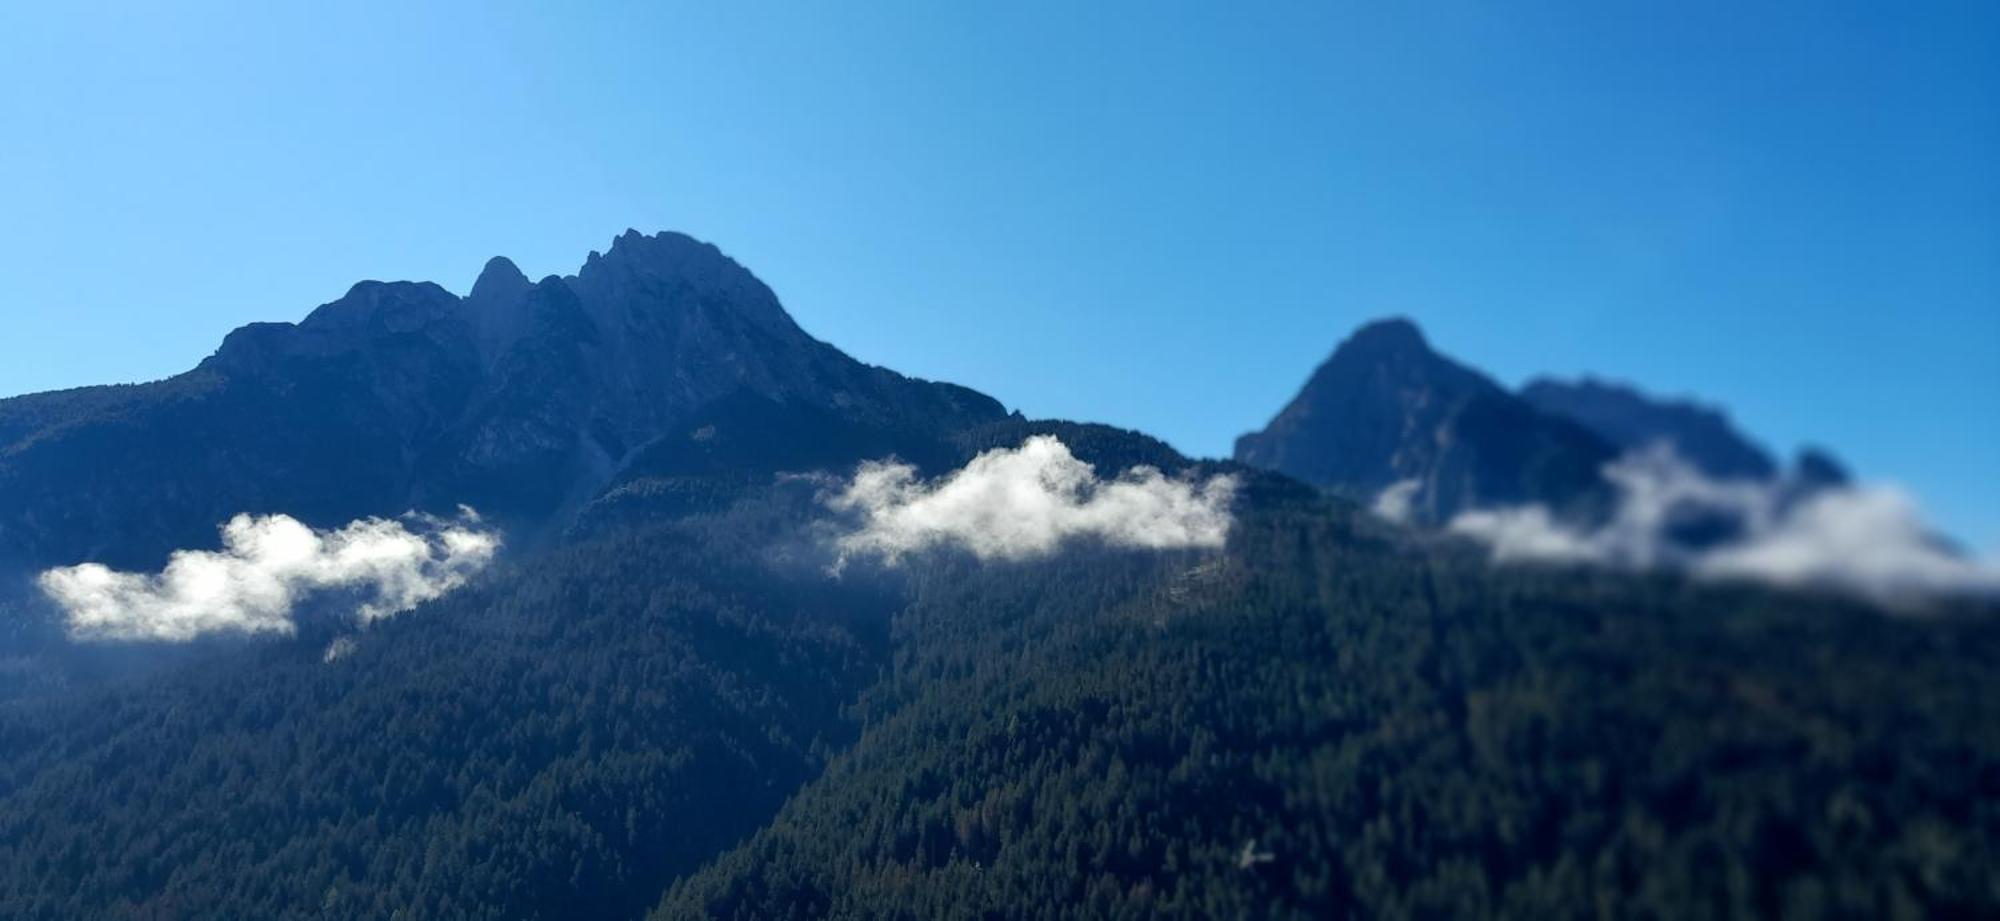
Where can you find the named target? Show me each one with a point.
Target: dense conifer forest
(1329, 718)
(557, 743)
(1321, 723)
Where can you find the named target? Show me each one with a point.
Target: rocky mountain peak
(642, 274)
(1385, 408)
(500, 280)
(1388, 335)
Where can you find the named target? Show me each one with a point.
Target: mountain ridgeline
(664, 702)
(520, 400)
(1386, 409)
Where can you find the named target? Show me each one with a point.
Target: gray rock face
(1385, 408)
(521, 399)
(1701, 435)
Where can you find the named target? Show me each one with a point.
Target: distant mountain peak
(1817, 468)
(501, 280)
(1388, 333)
(664, 254)
(1385, 408)
(1387, 411)
(669, 269)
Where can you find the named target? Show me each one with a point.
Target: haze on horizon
(1157, 217)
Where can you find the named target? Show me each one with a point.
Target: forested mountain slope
(558, 742)
(1323, 723)
(684, 689)
(1330, 717)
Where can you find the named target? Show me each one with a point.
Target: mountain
(520, 399)
(557, 742)
(1816, 469)
(1319, 724)
(1629, 419)
(1320, 719)
(670, 702)
(1386, 408)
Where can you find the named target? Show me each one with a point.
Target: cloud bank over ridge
(267, 566)
(1026, 502)
(1866, 540)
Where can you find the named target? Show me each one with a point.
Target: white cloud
(1869, 540)
(267, 565)
(340, 648)
(1020, 503)
(1528, 532)
(1393, 504)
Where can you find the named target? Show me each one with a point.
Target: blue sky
(1158, 215)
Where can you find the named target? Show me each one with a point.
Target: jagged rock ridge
(1701, 435)
(521, 399)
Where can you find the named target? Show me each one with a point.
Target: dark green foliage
(1111, 450)
(1401, 736)
(749, 436)
(735, 448)
(558, 743)
(665, 702)
(1331, 718)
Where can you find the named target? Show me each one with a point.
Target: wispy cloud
(1868, 540)
(268, 565)
(1020, 503)
(1394, 503)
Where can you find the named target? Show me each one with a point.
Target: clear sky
(1158, 215)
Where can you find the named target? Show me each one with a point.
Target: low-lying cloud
(267, 566)
(1026, 502)
(1396, 502)
(1867, 540)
